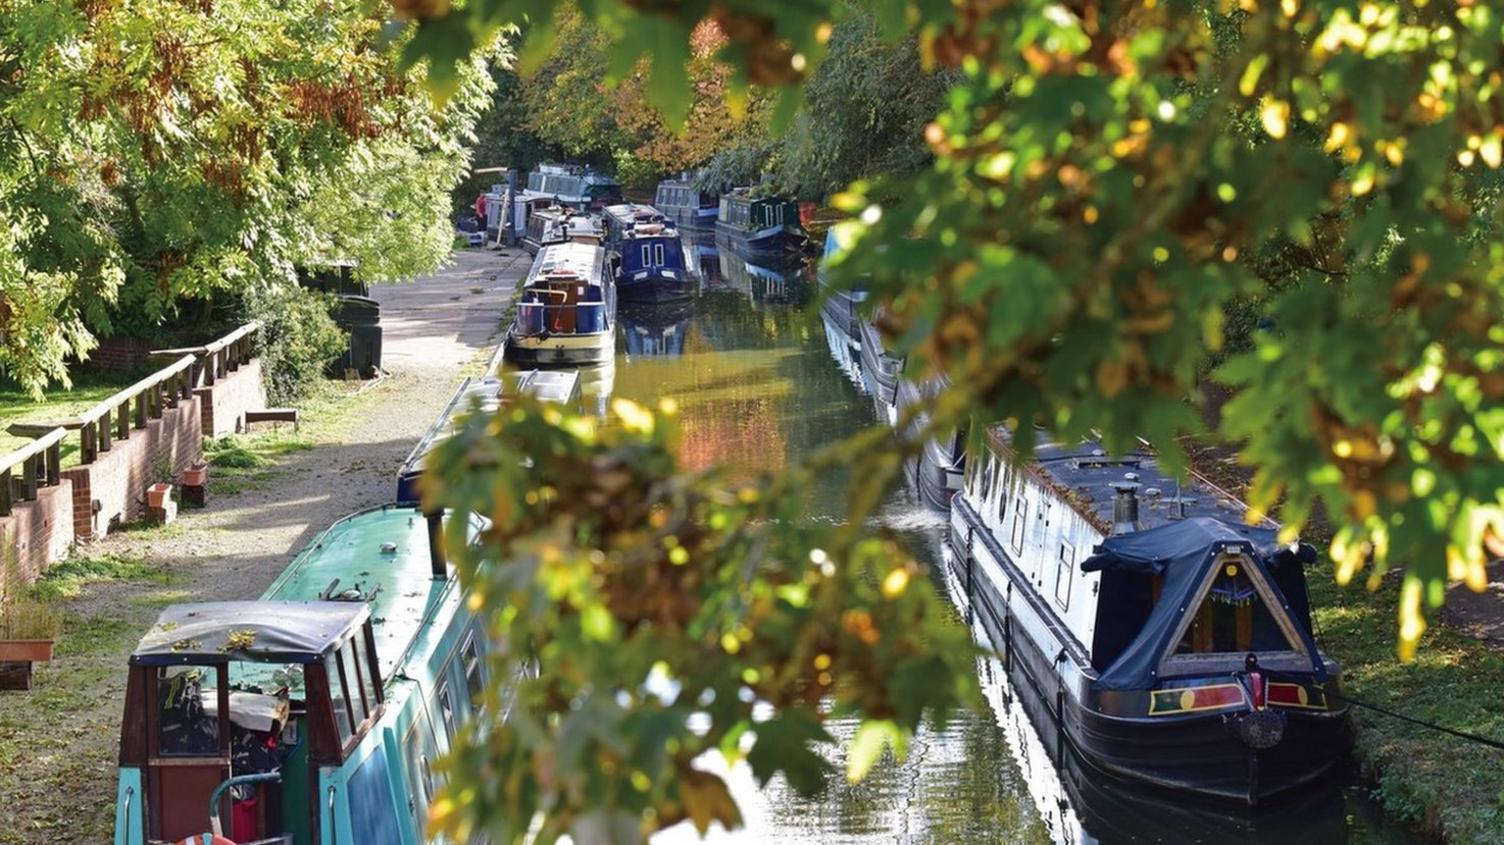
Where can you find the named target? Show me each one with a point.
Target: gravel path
(57, 743)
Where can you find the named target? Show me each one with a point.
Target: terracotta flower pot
(25, 651)
(196, 475)
(158, 493)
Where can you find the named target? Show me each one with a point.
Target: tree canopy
(160, 152)
(1109, 181)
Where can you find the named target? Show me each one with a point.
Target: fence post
(29, 478)
(54, 463)
(5, 492)
(122, 415)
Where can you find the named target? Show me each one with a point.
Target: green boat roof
(384, 550)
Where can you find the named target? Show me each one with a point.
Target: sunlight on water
(761, 381)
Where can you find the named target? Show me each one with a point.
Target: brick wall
(118, 479)
(122, 353)
(224, 404)
(40, 531)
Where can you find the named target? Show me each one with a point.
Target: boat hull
(880, 371)
(561, 350)
(655, 287)
(770, 242)
(1199, 753)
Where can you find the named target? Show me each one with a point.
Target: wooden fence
(37, 465)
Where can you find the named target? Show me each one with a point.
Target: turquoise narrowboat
(314, 715)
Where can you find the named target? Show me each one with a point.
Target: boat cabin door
(187, 745)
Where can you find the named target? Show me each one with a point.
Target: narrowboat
(685, 203)
(474, 394)
(566, 312)
(313, 715)
(1171, 640)
(572, 185)
(647, 254)
(881, 371)
(558, 225)
(937, 471)
(842, 305)
(759, 226)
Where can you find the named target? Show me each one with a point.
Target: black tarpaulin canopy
(264, 631)
(1181, 553)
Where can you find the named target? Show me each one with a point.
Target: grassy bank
(89, 388)
(1449, 788)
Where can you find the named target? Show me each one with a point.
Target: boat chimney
(436, 558)
(1125, 505)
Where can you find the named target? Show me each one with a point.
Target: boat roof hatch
(259, 631)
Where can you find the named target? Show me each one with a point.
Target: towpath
(58, 743)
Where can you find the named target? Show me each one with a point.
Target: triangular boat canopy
(1182, 553)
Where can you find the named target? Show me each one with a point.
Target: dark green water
(760, 383)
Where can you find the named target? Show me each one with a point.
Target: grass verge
(88, 389)
(249, 461)
(1450, 788)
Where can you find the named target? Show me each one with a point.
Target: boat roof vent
(1125, 518)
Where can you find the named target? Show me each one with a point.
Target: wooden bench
(272, 415)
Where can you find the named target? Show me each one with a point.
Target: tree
(1107, 180)
(161, 152)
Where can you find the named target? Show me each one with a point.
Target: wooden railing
(116, 417)
(38, 462)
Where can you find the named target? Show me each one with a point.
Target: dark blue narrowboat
(760, 227)
(647, 254)
(686, 204)
(1171, 639)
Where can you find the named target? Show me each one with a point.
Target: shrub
(298, 339)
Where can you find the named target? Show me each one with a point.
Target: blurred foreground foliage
(1112, 185)
(671, 613)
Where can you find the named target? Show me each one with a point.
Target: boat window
(647, 256)
(369, 683)
(186, 727)
(1020, 510)
(1002, 490)
(1065, 570)
(1233, 618)
(475, 682)
(342, 718)
(446, 711)
(658, 255)
(360, 707)
(986, 485)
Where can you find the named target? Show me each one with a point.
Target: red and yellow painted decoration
(1190, 699)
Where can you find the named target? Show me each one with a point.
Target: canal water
(761, 381)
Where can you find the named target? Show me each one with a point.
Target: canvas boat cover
(1181, 552)
(263, 631)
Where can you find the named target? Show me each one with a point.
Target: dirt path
(57, 743)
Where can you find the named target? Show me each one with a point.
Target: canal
(761, 382)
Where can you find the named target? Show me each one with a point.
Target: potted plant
(158, 494)
(196, 475)
(28, 629)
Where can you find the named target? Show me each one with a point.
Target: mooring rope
(1471, 737)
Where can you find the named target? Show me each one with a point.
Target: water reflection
(761, 382)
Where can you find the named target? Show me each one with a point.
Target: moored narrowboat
(474, 394)
(685, 203)
(313, 715)
(764, 227)
(1173, 640)
(574, 186)
(558, 225)
(566, 312)
(646, 254)
(842, 305)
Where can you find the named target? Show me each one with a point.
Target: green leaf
(873, 738)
